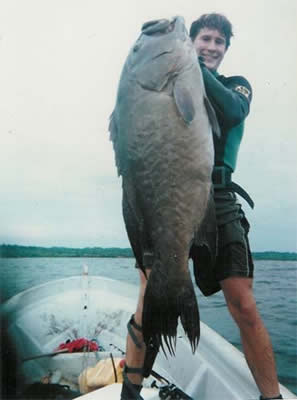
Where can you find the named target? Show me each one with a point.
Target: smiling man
(233, 273)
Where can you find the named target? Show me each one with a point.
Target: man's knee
(240, 300)
(142, 288)
(143, 280)
(244, 312)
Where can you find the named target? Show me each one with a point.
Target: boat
(39, 319)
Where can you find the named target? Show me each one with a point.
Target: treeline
(10, 251)
(275, 255)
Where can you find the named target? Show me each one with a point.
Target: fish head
(162, 50)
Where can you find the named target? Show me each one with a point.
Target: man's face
(210, 44)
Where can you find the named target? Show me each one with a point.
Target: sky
(60, 63)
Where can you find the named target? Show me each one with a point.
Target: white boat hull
(41, 318)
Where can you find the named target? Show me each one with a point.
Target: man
(233, 272)
(231, 98)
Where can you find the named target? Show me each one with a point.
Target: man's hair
(212, 21)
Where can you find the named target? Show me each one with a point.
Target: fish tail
(165, 300)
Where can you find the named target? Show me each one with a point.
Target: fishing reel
(171, 392)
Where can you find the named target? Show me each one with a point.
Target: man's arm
(231, 103)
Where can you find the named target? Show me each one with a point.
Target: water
(275, 289)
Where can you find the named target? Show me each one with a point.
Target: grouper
(161, 129)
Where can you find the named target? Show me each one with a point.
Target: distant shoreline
(17, 251)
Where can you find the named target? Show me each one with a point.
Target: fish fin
(184, 102)
(212, 117)
(204, 252)
(111, 127)
(164, 303)
(133, 227)
(207, 234)
(114, 137)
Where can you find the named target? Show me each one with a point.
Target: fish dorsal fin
(212, 117)
(184, 103)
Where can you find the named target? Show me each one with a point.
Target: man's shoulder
(238, 83)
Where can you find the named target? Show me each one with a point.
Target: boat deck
(39, 319)
(113, 392)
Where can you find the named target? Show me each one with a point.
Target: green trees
(9, 251)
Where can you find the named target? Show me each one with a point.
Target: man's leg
(255, 339)
(135, 355)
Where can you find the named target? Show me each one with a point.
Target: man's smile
(210, 56)
(210, 44)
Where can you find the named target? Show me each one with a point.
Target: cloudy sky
(60, 62)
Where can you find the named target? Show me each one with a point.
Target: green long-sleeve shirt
(231, 98)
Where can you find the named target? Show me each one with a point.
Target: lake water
(275, 289)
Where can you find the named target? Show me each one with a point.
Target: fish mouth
(160, 26)
(157, 26)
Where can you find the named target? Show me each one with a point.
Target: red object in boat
(79, 345)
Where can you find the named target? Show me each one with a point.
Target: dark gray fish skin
(163, 145)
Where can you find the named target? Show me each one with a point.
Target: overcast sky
(60, 62)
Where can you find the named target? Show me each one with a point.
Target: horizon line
(122, 248)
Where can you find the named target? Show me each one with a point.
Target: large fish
(163, 144)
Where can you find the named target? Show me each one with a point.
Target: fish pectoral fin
(184, 103)
(212, 117)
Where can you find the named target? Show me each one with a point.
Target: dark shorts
(234, 255)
